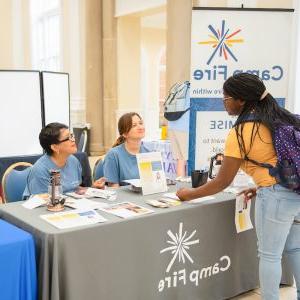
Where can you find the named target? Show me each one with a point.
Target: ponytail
(120, 140)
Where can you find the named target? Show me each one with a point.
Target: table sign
(152, 175)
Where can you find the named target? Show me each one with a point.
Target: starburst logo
(222, 40)
(180, 244)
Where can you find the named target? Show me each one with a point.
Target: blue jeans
(277, 210)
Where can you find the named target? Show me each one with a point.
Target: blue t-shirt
(39, 176)
(120, 165)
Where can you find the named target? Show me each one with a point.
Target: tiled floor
(286, 293)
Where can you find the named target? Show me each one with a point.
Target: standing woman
(120, 162)
(277, 209)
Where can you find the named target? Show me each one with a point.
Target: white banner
(224, 43)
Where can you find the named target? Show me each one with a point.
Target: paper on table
(127, 210)
(34, 202)
(73, 218)
(92, 193)
(100, 193)
(200, 200)
(171, 195)
(84, 204)
(134, 182)
(242, 214)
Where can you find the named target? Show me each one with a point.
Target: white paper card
(34, 202)
(171, 196)
(127, 210)
(242, 214)
(84, 204)
(152, 175)
(73, 218)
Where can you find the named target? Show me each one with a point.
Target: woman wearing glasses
(277, 209)
(59, 145)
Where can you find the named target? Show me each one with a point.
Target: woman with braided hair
(120, 162)
(277, 209)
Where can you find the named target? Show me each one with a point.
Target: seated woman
(59, 145)
(120, 162)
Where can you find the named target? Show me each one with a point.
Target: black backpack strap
(273, 171)
(268, 166)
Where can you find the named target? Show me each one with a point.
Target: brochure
(35, 201)
(242, 214)
(84, 192)
(84, 204)
(127, 210)
(73, 218)
(152, 175)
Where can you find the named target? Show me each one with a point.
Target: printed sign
(225, 43)
(152, 175)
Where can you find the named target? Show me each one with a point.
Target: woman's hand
(184, 194)
(248, 194)
(99, 183)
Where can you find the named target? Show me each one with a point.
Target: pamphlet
(157, 203)
(84, 204)
(163, 202)
(35, 201)
(73, 218)
(170, 202)
(152, 175)
(84, 192)
(242, 214)
(127, 210)
(171, 196)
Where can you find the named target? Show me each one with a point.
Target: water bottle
(55, 188)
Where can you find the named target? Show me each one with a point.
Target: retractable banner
(225, 42)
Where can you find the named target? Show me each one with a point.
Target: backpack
(286, 141)
(177, 101)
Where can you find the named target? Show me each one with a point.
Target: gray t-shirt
(120, 165)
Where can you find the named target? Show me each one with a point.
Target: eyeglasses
(71, 137)
(226, 98)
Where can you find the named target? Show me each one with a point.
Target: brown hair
(124, 126)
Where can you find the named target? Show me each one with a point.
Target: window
(45, 32)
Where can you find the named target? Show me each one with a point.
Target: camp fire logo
(180, 244)
(221, 41)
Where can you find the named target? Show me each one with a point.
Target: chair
(98, 171)
(14, 181)
(82, 144)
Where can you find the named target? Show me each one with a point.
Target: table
(128, 259)
(17, 264)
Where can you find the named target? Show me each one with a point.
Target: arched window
(45, 32)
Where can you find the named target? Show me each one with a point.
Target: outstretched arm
(228, 170)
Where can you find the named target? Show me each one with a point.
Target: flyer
(126, 210)
(152, 175)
